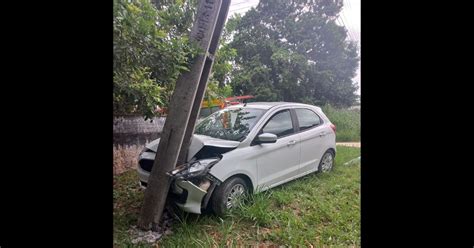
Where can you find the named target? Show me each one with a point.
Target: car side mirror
(267, 138)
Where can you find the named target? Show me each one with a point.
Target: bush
(151, 49)
(347, 123)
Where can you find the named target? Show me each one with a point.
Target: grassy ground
(347, 123)
(320, 210)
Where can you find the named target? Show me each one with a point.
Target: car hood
(198, 142)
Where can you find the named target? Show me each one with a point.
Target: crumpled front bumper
(187, 195)
(194, 196)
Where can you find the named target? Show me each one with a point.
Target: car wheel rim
(234, 196)
(327, 162)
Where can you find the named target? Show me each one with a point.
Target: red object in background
(233, 100)
(236, 98)
(162, 111)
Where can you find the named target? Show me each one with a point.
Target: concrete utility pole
(181, 106)
(203, 82)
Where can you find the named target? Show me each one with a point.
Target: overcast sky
(349, 17)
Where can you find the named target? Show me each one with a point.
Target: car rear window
(307, 119)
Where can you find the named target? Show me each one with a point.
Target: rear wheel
(326, 163)
(228, 195)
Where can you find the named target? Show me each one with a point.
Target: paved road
(352, 144)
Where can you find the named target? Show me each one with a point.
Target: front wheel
(326, 163)
(228, 195)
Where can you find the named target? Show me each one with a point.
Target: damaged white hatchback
(247, 149)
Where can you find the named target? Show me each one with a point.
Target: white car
(247, 148)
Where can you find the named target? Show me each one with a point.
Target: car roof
(268, 105)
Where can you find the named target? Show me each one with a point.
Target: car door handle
(322, 134)
(292, 142)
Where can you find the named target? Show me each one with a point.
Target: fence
(131, 133)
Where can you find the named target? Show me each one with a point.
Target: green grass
(347, 123)
(318, 209)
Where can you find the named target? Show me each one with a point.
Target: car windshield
(229, 124)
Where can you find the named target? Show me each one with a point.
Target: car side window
(307, 119)
(280, 124)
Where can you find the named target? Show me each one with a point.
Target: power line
(343, 16)
(348, 21)
(340, 20)
(348, 32)
(348, 3)
(249, 6)
(235, 10)
(234, 4)
(252, 4)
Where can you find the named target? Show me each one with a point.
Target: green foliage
(275, 52)
(347, 123)
(151, 50)
(219, 81)
(213, 91)
(287, 54)
(223, 65)
(137, 92)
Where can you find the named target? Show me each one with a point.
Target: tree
(293, 50)
(219, 82)
(151, 49)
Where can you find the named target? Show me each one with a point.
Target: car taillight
(333, 127)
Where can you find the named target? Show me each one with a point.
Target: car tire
(222, 198)
(327, 162)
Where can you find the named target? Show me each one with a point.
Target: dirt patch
(350, 144)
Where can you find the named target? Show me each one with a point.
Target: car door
(278, 162)
(312, 133)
